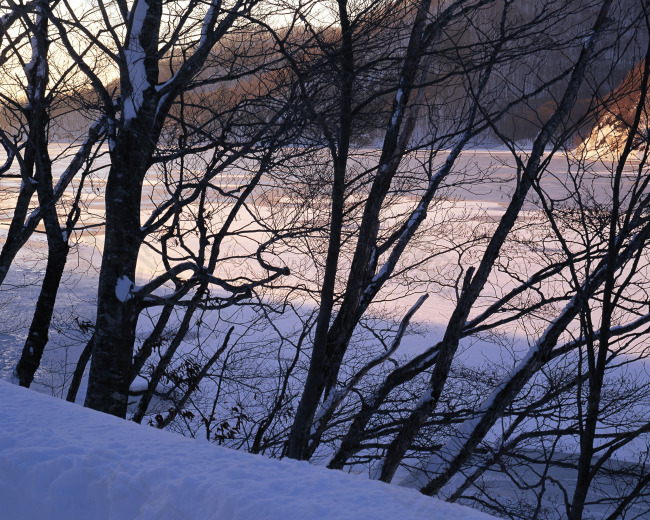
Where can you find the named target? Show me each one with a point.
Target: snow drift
(61, 461)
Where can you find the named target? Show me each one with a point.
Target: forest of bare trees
(270, 216)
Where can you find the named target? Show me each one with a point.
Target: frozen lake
(480, 186)
(479, 176)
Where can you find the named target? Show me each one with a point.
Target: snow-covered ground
(61, 461)
(110, 465)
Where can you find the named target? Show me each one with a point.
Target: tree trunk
(316, 377)
(38, 331)
(110, 367)
(79, 370)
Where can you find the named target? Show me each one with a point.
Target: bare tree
(164, 117)
(26, 135)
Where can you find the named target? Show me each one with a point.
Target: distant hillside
(616, 116)
(531, 74)
(544, 39)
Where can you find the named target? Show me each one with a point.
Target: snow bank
(61, 461)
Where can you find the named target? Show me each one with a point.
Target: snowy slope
(61, 461)
(608, 137)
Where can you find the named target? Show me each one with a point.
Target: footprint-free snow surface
(61, 461)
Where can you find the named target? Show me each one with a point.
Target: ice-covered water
(480, 184)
